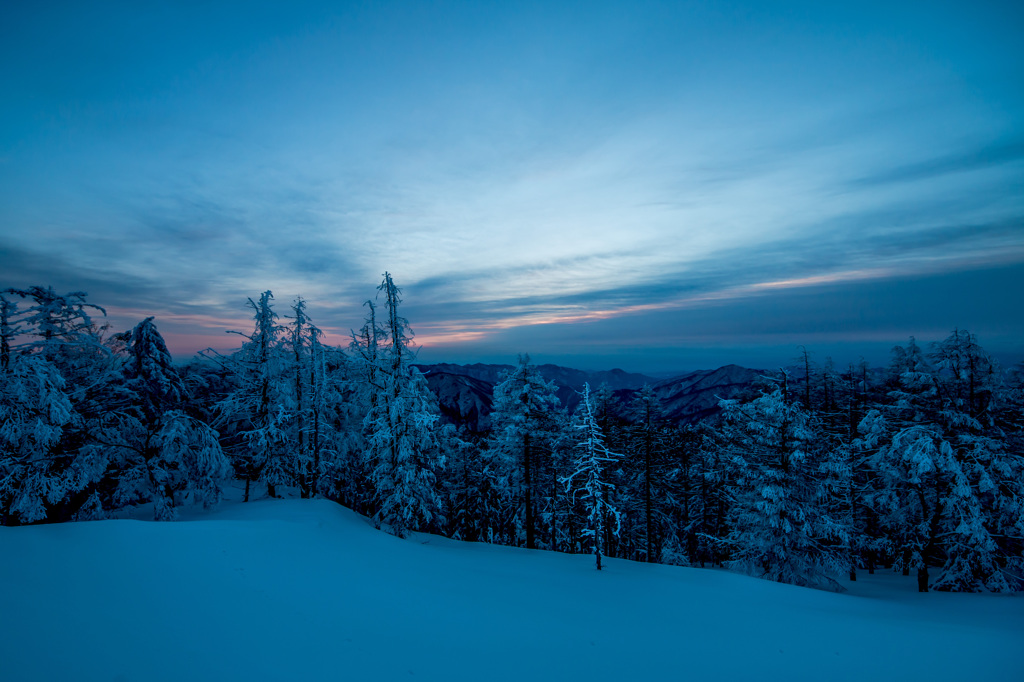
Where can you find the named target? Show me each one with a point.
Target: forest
(807, 477)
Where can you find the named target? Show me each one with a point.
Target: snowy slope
(299, 590)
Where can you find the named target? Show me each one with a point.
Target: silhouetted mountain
(694, 396)
(465, 392)
(464, 400)
(490, 374)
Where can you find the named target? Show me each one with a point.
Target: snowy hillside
(302, 590)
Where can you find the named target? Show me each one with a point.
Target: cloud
(981, 158)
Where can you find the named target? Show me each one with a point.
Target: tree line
(803, 479)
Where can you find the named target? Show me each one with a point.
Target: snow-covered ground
(304, 589)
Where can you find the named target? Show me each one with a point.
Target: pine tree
(948, 489)
(34, 413)
(332, 423)
(781, 526)
(52, 346)
(587, 482)
(524, 422)
(648, 411)
(403, 451)
(157, 452)
(261, 403)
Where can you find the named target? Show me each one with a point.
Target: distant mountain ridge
(465, 392)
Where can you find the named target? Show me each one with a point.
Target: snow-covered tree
(149, 371)
(331, 423)
(34, 412)
(53, 347)
(524, 422)
(949, 492)
(647, 408)
(310, 391)
(56, 320)
(781, 526)
(9, 329)
(157, 452)
(261, 406)
(403, 452)
(588, 482)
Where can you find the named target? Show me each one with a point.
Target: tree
(53, 353)
(316, 395)
(300, 393)
(403, 452)
(157, 452)
(261, 402)
(949, 491)
(523, 425)
(34, 413)
(648, 411)
(9, 330)
(588, 481)
(781, 527)
(330, 423)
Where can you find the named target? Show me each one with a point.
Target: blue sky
(646, 185)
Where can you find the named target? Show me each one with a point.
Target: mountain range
(465, 392)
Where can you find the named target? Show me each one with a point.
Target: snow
(303, 589)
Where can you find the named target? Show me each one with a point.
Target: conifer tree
(403, 451)
(158, 452)
(53, 348)
(524, 422)
(261, 403)
(588, 482)
(781, 526)
(949, 490)
(34, 413)
(648, 411)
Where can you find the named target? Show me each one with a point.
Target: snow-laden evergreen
(59, 381)
(588, 482)
(156, 452)
(34, 411)
(525, 423)
(262, 402)
(949, 491)
(781, 526)
(403, 450)
(331, 434)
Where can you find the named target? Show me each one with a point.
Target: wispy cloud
(989, 156)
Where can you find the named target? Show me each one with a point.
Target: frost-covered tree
(949, 491)
(403, 452)
(314, 395)
(524, 423)
(9, 329)
(34, 412)
(261, 406)
(156, 451)
(331, 420)
(149, 371)
(588, 482)
(61, 329)
(708, 524)
(56, 320)
(781, 526)
(53, 348)
(647, 408)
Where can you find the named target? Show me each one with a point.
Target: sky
(652, 186)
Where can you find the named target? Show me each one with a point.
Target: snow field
(305, 589)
